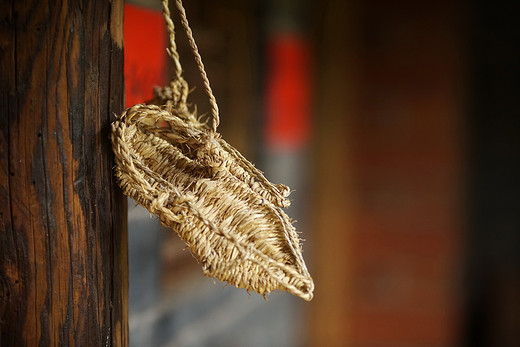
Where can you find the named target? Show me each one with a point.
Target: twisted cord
(172, 51)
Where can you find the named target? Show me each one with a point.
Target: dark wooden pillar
(63, 246)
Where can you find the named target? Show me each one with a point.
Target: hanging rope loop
(178, 82)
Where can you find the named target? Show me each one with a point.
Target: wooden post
(63, 242)
(388, 206)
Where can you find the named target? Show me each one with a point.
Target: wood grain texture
(63, 246)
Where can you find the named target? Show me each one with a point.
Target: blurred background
(397, 125)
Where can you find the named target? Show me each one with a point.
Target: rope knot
(211, 153)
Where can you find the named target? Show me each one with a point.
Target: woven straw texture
(226, 211)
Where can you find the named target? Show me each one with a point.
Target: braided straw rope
(226, 211)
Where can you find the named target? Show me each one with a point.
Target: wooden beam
(63, 246)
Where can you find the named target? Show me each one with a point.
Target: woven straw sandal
(226, 211)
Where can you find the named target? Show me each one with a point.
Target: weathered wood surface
(63, 246)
